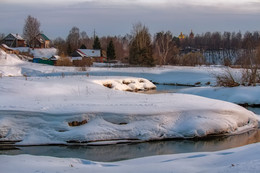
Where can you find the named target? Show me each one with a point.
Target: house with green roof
(41, 41)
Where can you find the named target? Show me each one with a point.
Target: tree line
(163, 48)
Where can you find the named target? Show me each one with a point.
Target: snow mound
(108, 114)
(239, 95)
(9, 59)
(44, 53)
(9, 64)
(30, 128)
(129, 84)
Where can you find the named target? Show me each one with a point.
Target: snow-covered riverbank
(144, 117)
(243, 159)
(40, 104)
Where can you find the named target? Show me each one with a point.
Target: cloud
(112, 18)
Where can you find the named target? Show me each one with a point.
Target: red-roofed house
(95, 55)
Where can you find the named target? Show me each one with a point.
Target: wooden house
(14, 40)
(94, 55)
(41, 41)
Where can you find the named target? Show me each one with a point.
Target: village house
(41, 41)
(94, 55)
(14, 40)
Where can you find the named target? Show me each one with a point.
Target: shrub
(85, 62)
(63, 61)
(226, 79)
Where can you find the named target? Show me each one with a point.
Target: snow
(44, 53)
(39, 52)
(147, 117)
(89, 53)
(239, 95)
(129, 84)
(37, 109)
(9, 59)
(164, 75)
(112, 114)
(17, 36)
(243, 159)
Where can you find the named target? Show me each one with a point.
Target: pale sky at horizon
(134, 1)
(116, 17)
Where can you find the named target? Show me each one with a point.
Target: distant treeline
(142, 49)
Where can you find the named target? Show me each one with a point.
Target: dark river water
(108, 153)
(118, 152)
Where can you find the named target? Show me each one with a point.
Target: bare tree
(73, 40)
(31, 30)
(61, 45)
(163, 45)
(2, 36)
(84, 39)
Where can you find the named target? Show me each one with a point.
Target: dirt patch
(77, 123)
(108, 85)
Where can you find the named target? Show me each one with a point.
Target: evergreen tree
(111, 55)
(96, 44)
(141, 52)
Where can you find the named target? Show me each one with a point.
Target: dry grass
(63, 61)
(226, 79)
(85, 62)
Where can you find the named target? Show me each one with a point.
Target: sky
(116, 17)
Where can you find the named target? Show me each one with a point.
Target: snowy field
(39, 102)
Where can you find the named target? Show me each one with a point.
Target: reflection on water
(255, 110)
(160, 88)
(129, 151)
(170, 88)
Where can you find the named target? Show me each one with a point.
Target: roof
(89, 52)
(44, 37)
(54, 57)
(16, 36)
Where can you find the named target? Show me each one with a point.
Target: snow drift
(129, 84)
(110, 114)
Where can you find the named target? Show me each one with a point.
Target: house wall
(47, 44)
(21, 43)
(11, 41)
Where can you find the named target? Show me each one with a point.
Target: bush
(63, 61)
(249, 77)
(85, 62)
(226, 79)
